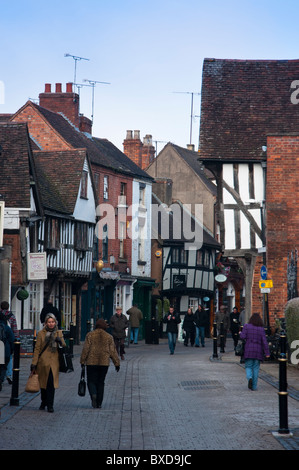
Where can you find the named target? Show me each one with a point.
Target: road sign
(266, 284)
(265, 290)
(264, 273)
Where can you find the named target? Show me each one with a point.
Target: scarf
(51, 336)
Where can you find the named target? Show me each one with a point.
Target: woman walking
(97, 351)
(256, 347)
(45, 360)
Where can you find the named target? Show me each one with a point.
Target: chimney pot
(129, 135)
(137, 135)
(69, 87)
(48, 88)
(58, 88)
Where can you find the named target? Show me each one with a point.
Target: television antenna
(192, 93)
(76, 58)
(93, 84)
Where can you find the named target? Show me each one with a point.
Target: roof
(100, 151)
(59, 174)
(15, 164)
(176, 219)
(243, 101)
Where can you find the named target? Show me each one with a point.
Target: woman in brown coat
(97, 351)
(46, 360)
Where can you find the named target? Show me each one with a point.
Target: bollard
(215, 353)
(283, 386)
(71, 340)
(222, 337)
(14, 399)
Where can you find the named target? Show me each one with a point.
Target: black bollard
(215, 353)
(283, 387)
(222, 337)
(14, 399)
(71, 340)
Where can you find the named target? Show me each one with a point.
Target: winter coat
(188, 323)
(135, 316)
(172, 324)
(11, 319)
(119, 323)
(222, 317)
(48, 360)
(256, 345)
(234, 322)
(9, 341)
(201, 318)
(98, 349)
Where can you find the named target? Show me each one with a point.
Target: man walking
(135, 316)
(119, 323)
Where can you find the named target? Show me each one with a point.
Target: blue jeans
(252, 367)
(172, 341)
(200, 333)
(134, 334)
(9, 368)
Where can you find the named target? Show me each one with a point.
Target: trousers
(96, 382)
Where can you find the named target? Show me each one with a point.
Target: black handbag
(82, 384)
(65, 360)
(239, 351)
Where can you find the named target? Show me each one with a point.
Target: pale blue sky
(146, 49)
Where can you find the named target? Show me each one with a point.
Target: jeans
(96, 382)
(172, 341)
(134, 334)
(9, 368)
(200, 334)
(252, 367)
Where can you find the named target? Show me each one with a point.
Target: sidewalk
(157, 401)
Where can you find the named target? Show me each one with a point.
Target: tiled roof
(242, 102)
(59, 175)
(100, 151)
(14, 164)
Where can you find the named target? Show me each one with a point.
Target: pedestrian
(235, 325)
(8, 338)
(189, 327)
(201, 322)
(256, 347)
(49, 308)
(119, 323)
(12, 323)
(172, 319)
(135, 316)
(45, 360)
(97, 351)
(222, 318)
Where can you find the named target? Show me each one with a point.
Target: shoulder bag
(82, 383)
(32, 385)
(239, 351)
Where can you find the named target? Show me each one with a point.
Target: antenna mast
(76, 58)
(93, 84)
(192, 93)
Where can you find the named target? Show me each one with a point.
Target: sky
(150, 52)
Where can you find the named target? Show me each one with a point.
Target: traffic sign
(266, 284)
(265, 290)
(264, 273)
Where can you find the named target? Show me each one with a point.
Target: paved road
(156, 402)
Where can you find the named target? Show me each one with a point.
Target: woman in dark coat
(256, 347)
(189, 327)
(235, 325)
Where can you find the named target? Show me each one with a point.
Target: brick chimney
(66, 102)
(140, 153)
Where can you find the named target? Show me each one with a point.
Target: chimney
(85, 124)
(66, 102)
(148, 151)
(140, 153)
(190, 147)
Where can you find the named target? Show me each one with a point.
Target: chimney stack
(140, 153)
(66, 103)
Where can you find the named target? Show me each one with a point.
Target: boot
(94, 401)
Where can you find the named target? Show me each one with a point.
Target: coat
(188, 323)
(135, 316)
(201, 318)
(256, 345)
(172, 324)
(119, 323)
(9, 342)
(98, 349)
(48, 360)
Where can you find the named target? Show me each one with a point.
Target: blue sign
(264, 273)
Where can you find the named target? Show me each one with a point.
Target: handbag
(82, 384)
(65, 360)
(239, 351)
(32, 385)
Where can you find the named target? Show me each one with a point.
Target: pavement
(159, 404)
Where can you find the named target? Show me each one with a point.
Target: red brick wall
(140, 153)
(282, 214)
(61, 102)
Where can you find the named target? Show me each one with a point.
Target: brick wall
(61, 102)
(140, 153)
(282, 214)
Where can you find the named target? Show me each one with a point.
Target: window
(199, 258)
(52, 235)
(84, 184)
(105, 243)
(81, 236)
(179, 256)
(141, 194)
(123, 193)
(105, 187)
(122, 227)
(66, 299)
